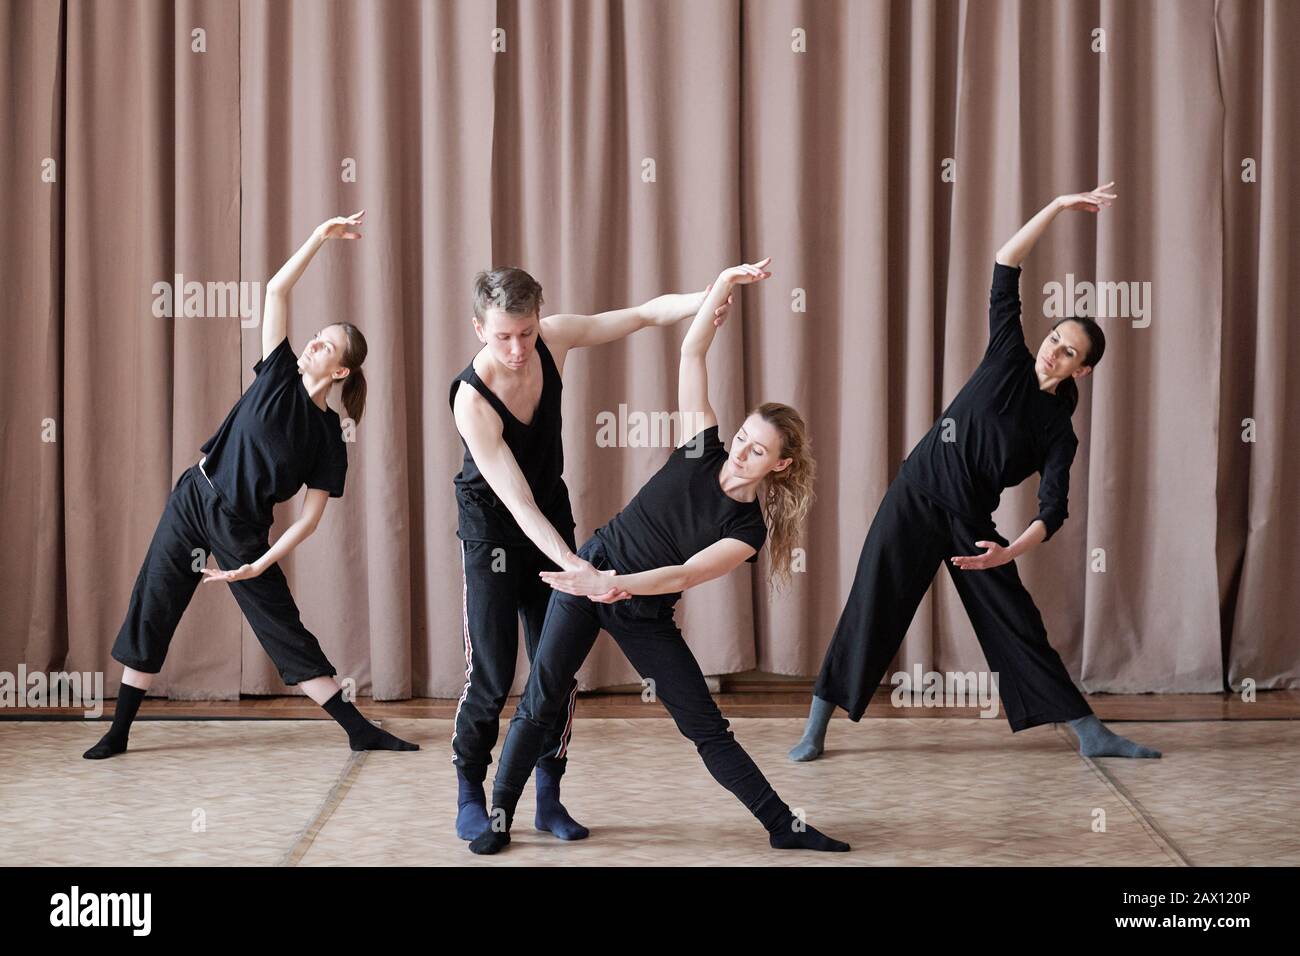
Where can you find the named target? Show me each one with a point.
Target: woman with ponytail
(1011, 419)
(707, 511)
(280, 435)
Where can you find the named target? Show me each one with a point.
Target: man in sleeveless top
(514, 517)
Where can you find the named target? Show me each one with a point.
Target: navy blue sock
(551, 816)
(471, 803)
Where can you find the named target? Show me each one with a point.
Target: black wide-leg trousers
(193, 525)
(909, 538)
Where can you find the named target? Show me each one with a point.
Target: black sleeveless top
(538, 450)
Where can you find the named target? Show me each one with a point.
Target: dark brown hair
(354, 386)
(508, 289)
(1069, 389)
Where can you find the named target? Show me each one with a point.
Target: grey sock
(1096, 741)
(813, 741)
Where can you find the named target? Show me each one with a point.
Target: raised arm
(692, 370)
(275, 308)
(563, 332)
(1015, 249)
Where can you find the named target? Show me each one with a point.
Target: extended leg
(660, 654)
(273, 615)
(899, 559)
(1032, 681)
(163, 590)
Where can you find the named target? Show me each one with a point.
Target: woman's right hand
(585, 581)
(338, 227)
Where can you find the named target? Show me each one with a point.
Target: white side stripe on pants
(469, 648)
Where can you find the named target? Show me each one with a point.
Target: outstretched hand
(995, 555)
(585, 582)
(1092, 201)
(340, 227)
(241, 573)
(746, 273)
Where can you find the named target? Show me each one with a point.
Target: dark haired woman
(280, 435)
(1011, 418)
(697, 519)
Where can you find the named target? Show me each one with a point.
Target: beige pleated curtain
(880, 152)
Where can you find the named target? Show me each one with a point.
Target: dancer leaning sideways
(279, 436)
(1010, 420)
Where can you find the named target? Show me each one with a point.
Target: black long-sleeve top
(1004, 427)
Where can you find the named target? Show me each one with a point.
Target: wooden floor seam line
(307, 835)
(1132, 803)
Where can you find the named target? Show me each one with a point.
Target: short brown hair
(508, 289)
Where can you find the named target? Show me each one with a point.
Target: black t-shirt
(539, 452)
(680, 511)
(1005, 427)
(275, 440)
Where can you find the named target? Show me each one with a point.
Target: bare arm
(275, 309)
(481, 428)
(693, 370)
(564, 332)
(1015, 249)
(718, 559)
(313, 507)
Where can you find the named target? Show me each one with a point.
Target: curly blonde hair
(787, 495)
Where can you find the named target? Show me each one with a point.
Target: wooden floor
(906, 788)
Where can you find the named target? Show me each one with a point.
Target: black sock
(805, 837)
(114, 742)
(497, 836)
(786, 831)
(362, 734)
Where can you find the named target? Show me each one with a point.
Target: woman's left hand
(239, 574)
(995, 555)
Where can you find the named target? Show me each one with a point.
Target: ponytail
(354, 394)
(354, 386)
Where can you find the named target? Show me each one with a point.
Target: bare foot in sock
(1095, 740)
(808, 748)
(375, 738)
(805, 837)
(109, 745)
(813, 742)
(489, 842)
